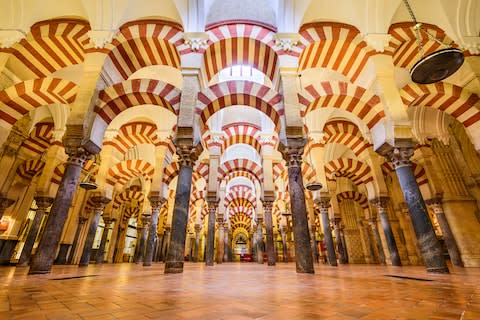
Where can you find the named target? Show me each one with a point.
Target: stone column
(428, 242)
(42, 204)
(220, 239)
(378, 240)
(293, 156)
(381, 205)
(198, 234)
(340, 243)
(187, 156)
(267, 211)
(226, 243)
(43, 260)
(254, 243)
(103, 242)
(81, 223)
(143, 238)
(4, 204)
(453, 252)
(210, 247)
(284, 243)
(313, 243)
(156, 201)
(323, 204)
(100, 202)
(260, 240)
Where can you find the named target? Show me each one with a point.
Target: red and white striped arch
(240, 193)
(241, 220)
(345, 96)
(131, 212)
(241, 133)
(334, 46)
(123, 171)
(40, 138)
(170, 172)
(127, 196)
(356, 196)
(30, 168)
(418, 172)
(241, 173)
(460, 103)
(50, 46)
(279, 171)
(346, 133)
(308, 173)
(403, 45)
(241, 44)
(352, 169)
(240, 165)
(135, 133)
(19, 99)
(141, 44)
(58, 174)
(121, 96)
(202, 169)
(231, 93)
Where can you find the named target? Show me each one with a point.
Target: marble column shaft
(381, 205)
(323, 204)
(42, 204)
(284, 245)
(103, 242)
(428, 242)
(196, 251)
(92, 230)
(453, 251)
(210, 248)
(303, 251)
(175, 256)
(260, 240)
(340, 244)
(45, 256)
(156, 202)
(378, 240)
(81, 223)
(220, 239)
(267, 208)
(143, 238)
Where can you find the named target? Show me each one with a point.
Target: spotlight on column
(437, 65)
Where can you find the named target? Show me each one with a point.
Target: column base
(32, 272)
(438, 270)
(271, 264)
(83, 264)
(147, 264)
(174, 267)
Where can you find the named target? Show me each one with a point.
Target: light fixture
(438, 65)
(314, 185)
(86, 184)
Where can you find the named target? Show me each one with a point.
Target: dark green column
(323, 204)
(156, 201)
(381, 205)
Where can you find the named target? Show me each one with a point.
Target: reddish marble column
(45, 256)
(292, 154)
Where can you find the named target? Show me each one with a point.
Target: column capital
(259, 220)
(198, 228)
(336, 222)
(186, 151)
(43, 202)
(156, 200)
(399, 154)
(108, 221)
(82, 219)
(380, 203)
(323, 202)
(267, 204)
(100, 202)
(372, 222)
(435, 204)
(5, 202)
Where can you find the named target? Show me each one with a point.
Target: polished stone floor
(239, 291)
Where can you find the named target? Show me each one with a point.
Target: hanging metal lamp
(86, 184)
(437, 65)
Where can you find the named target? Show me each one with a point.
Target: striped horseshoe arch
(170, 172)
(18, 100)
(460, 103)
(358, 197)
(135, 133)
(241, 220)
(50, 46)
(123, 171)
(40, 138)
(335, 46)
(241, 133)
(30, 168)
(242, 44)
(141, 44)
(240, 165)
(131, 212)
(121, 96)
(403, 45)
(342, 95)
(231, 93)
(352, 169)
(127, 196)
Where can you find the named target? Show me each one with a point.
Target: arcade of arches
(201, 123)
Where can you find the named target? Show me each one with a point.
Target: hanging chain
(416, 28)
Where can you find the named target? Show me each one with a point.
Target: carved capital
(293, 152)
(435, 204)
(198, 228)
(378, 41)
(380, 203)
(197, 41)
(5, 203)
(156, 200)
(43, 202)
(99, 38)
(267, 205)
(286, 41)
(9, 37)
(336, 222)
(373, 222)
(145, 218)
(100, 202)
(399, 154)
(323, 203)
(108, 221)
